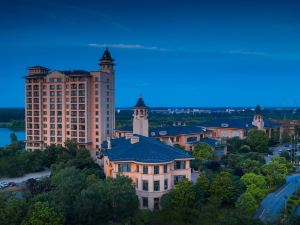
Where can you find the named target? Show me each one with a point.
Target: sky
(173, 53)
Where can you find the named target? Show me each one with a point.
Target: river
(5, 136)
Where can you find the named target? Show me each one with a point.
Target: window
(166, 184)
(125, 167)
(136, 183)
(145, 169)
(145, 185)
(179, 165)
(191, 139)
(156, 185)
(178, 178)
(137, 168)
(156, 203)
(145, 202)
(165, 168)
(156, 169)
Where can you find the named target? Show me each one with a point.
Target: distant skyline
(173, 53)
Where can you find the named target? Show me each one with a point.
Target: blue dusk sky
(173, 53)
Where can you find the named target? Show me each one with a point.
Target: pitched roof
(140, 103)
(176, 130)
(212, 142)
(146, 150)
(106, 56)
(239, 123)
(75, 72)
(236, 123)
(38, 67)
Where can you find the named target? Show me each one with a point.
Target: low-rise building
(153, 166)
(239, 127)
(178, 134)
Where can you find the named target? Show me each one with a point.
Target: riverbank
(17, 180)
(5, 136)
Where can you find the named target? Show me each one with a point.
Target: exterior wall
(63, 107)
(182, 140)
(140, 122)
(111, 170)
(227, 133)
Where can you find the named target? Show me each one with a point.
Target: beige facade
(151, 180)
(70, 105)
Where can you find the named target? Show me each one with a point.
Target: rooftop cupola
(258, 120)
(106, 62)
(140, 118)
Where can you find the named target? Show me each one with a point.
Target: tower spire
(106, 62)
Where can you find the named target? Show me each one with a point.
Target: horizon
(214, 54)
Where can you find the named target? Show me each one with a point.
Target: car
(12, 184)
(3, 185)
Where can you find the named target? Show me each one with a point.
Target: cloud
(246, 52)
(127, 46)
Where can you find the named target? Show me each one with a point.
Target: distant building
(178, 134)
(153, 166)
(239, 127)
(76, 104)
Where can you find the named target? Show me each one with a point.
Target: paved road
(18, 180)
(273, 204)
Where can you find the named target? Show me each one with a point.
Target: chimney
(134, 139)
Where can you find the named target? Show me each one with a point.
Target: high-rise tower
(140, 119)
(73, 105)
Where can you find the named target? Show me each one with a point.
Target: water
(5, 136)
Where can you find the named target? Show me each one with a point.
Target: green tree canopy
(276, 171)
(202, 151)
(258, 140)
(257, 193)
(182, 196)
(42, 214)
(251, 166)
(252, 178)
(247, 204)
(222, 186)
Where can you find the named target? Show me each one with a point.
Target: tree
(42, 214)
(234, 144)
(251, 166)
(252, 178)
(183, 196)
(222, 186)
(258, 140)
(286, 155)
(143, 217)
(13, 138)
(257, 193)
(67, 184)
(246, 203)
(12, 211)
(202, 151)
(285, 138)
(203, 183)
(275, 172)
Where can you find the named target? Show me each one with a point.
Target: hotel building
(70, 105)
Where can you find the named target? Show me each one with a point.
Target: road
(273, 204)
(18, 180)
